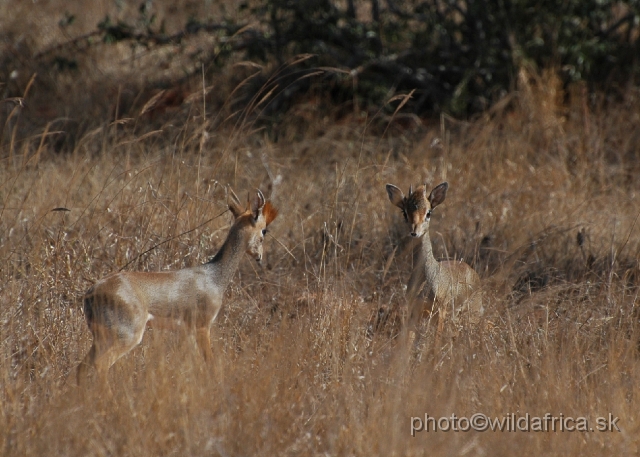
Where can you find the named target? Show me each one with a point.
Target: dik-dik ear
(438, 194)
(270, 212)
(234, 204)
(395, 196)
(256, 203)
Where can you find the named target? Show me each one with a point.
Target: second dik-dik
(118, 307)
(435, 286)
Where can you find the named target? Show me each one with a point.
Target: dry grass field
(544, 203)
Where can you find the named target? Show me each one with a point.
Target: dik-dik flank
(118, 307)
(445, 286)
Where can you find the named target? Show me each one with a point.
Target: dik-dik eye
(404, 214)
(264, 232)
(428, 215)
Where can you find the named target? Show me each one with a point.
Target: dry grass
(306, 360)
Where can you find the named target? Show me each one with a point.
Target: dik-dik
(435, 287)
(118, 307)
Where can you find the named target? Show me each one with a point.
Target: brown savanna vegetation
(544, 203)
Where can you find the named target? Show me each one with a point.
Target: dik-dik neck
(425, 270)
(425, 254)
(225, 263)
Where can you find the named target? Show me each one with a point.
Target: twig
(170, 239)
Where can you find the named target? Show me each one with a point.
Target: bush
(458, 56)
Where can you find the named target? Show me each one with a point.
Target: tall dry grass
(543, 202)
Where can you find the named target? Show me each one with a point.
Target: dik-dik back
(456, 286)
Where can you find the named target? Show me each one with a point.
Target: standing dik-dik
(118, 307)
(445, 285)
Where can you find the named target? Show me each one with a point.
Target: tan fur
(435, 287)
(118, 307)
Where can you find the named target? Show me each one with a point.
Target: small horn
(410, 189)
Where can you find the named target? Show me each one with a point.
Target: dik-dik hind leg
(109, 344)
(203, 338)
(91, 372)
(87, 364)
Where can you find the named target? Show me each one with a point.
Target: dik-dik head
(416, 207)
(253, 221)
